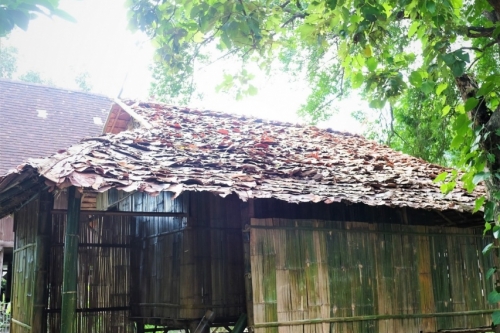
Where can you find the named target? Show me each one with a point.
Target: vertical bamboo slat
(339, 270)
(40, 291)
(68, 309)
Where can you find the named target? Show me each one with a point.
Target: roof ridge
(211, 113)
(19, 82)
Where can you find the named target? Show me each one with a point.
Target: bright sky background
(101, 44)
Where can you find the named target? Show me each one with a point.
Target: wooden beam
(119, 213)
(144, 123)
(70, 268)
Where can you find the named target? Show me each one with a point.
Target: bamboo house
(179, 212)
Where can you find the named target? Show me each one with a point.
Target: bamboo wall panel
(103, 288)
(184, 265)
(325, 276)
(24, 267)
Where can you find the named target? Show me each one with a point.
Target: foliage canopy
(431, 63)
(18, 13)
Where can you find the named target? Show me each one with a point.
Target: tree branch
(479, 49)
(476, 32)
(293, 18)
(284, 4)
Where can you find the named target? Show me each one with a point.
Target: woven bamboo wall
(24, 268)
(185, 264)
(317, 276)
(103, 274)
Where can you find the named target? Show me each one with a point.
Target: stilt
(70, 270)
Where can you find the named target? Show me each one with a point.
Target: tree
(32, 76)
(396, 53)
(83, 81)
(18, 13)
(8, 61)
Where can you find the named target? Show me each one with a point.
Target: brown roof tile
(26, 133)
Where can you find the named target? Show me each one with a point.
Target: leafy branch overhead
(18, 13)
(411, 59)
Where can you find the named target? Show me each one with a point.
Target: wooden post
(70, 269)
(40, 294)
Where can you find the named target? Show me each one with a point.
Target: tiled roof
(198, 150)
(37, 120)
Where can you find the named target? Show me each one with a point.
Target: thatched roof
(194, 150)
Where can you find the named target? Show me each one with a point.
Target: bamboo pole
(70, 268)
(372, 317)
(247, 212)
(41, 261)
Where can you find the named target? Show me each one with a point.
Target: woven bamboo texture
(24, 268)
(103, 289)
(325, 276)
(184, 265)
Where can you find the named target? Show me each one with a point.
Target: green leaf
(371, 64)
(496, 231)
(458, 68)
(496, 317)
(64, 15)
(415, 79)
(471, 103)
(487, 227)
(445, 111)
(357, 80)
(489, 211)
(490, 272)
(487, 249)
(331, 4)
(481, 176)
(494, 297)
(20, 18)
(413, 28)
(252, 90)
(441, 177)
(478, 204)
(449, 59)
(431, 6)
(441, 87)
(486, 88)
(462, 55)
(198, 37)
(377, 103)
(427, 87)
(448, 187)
(367, 51)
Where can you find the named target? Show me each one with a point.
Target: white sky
(100, 44)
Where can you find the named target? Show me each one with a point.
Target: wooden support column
(70, 269)
(40, 292)
(247, 212)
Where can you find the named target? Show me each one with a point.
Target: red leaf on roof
(267, 139)
(175, 125)
(223, 131)
(313, 155)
